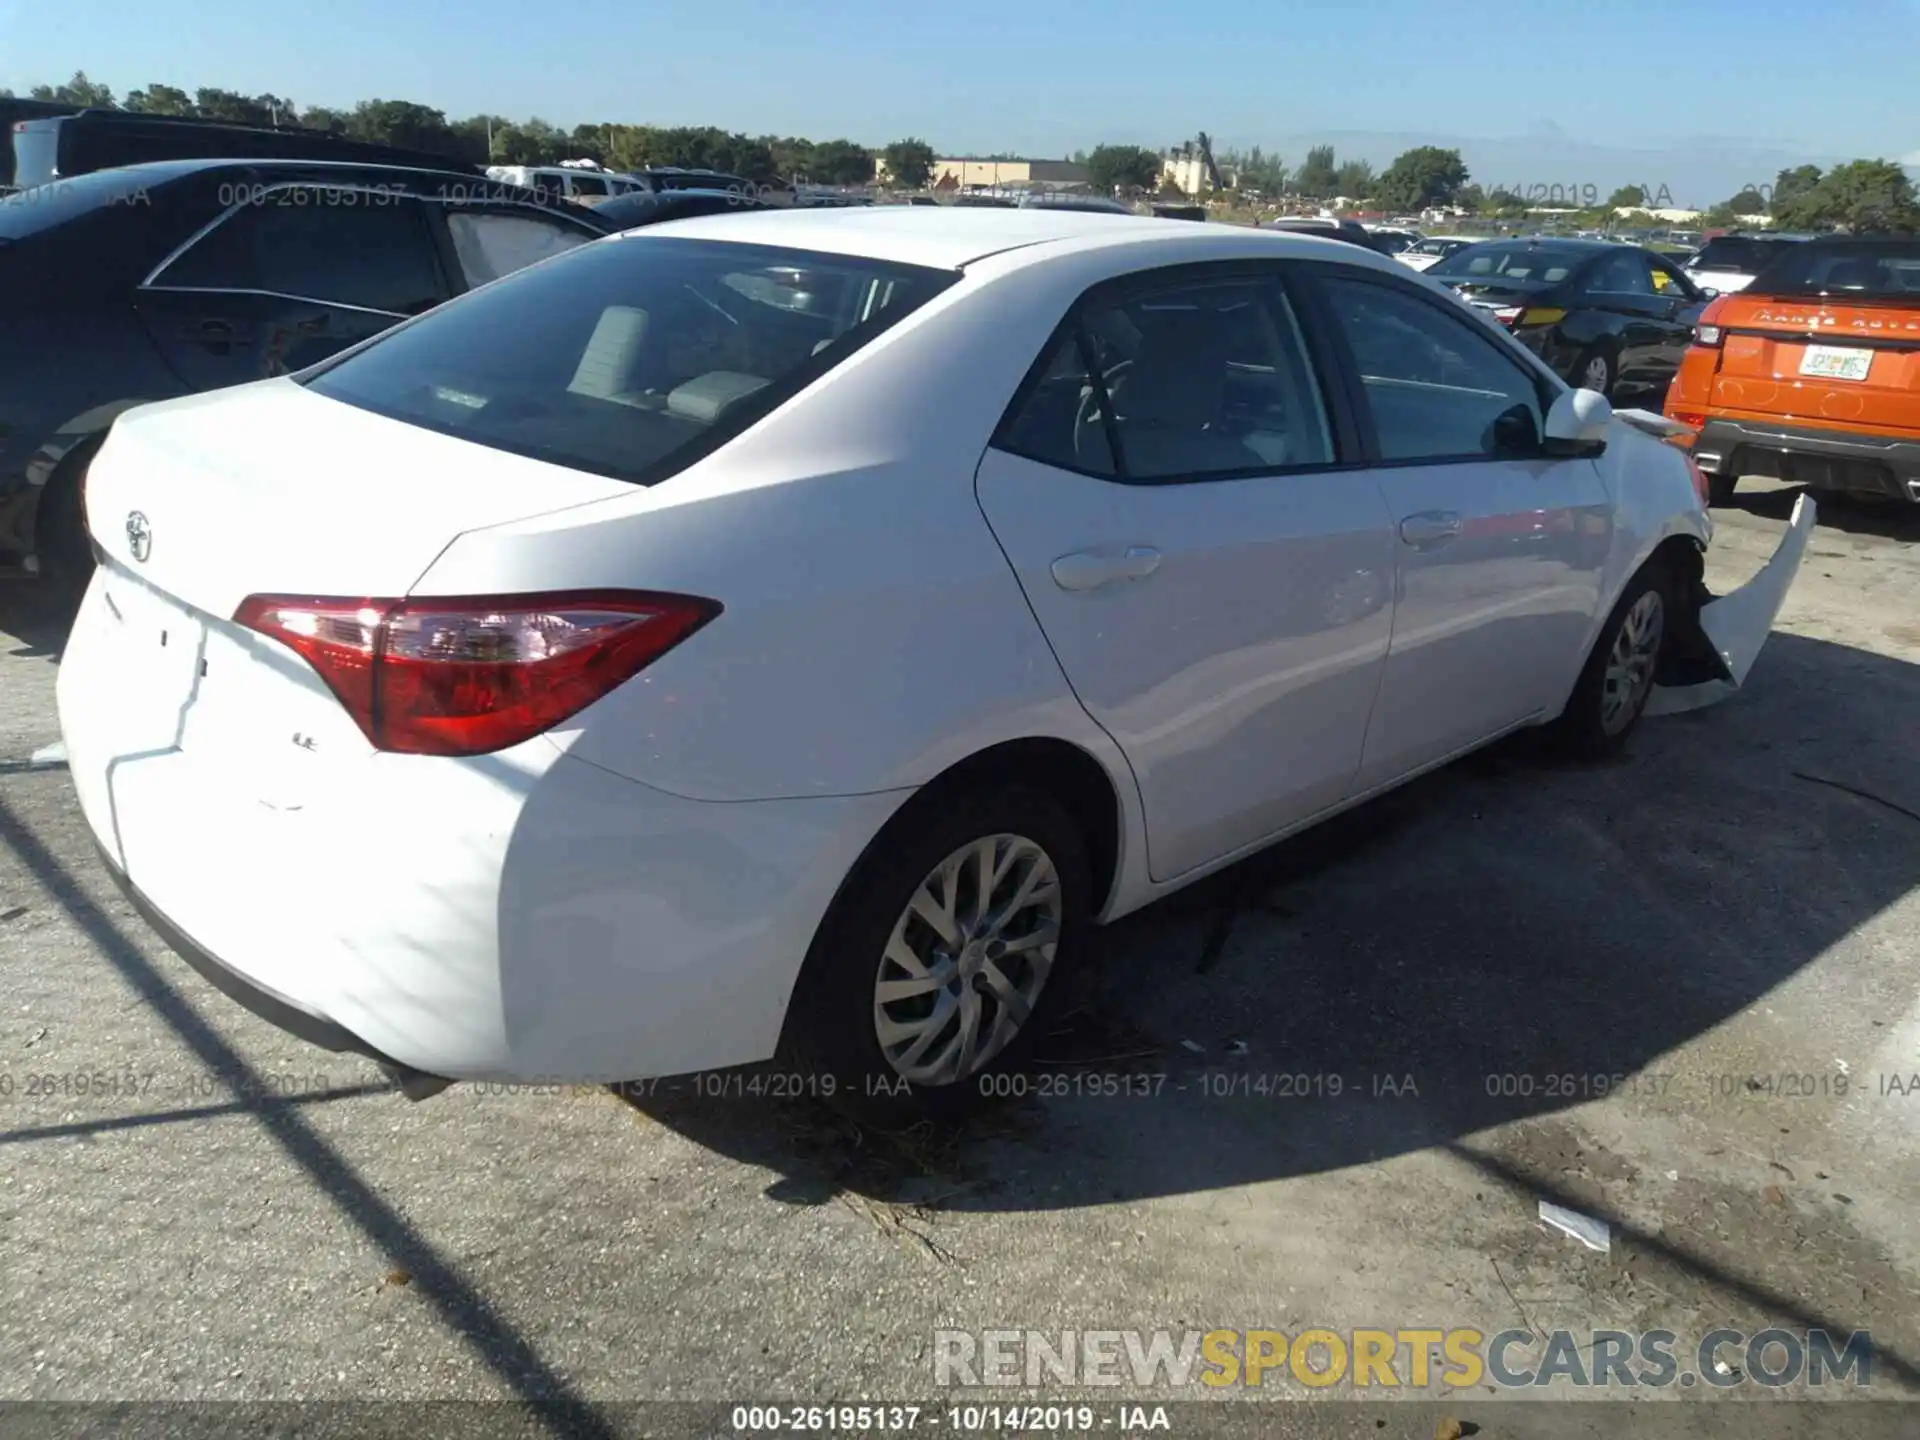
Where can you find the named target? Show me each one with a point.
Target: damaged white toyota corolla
(792, 632)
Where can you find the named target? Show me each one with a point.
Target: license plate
(1833, 362)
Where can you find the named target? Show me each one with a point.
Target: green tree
(1470, 197)
(1748, 202)
(1426, 175)
(160, 100)
(1503, 204)
(1256, 170)
(79, 92)
(232, 106)
(1318, 177)
(1860, 195)
(1630, 197)
(1355, 179)
(531, 142)
(1122, 167)
(401, 122)
(1790, 185)
(909, 162)
(319, 117)
(841, 162)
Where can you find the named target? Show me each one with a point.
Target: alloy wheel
(1597, 376)
(1631, 661)
(967, 959)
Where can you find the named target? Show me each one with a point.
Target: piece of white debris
(1194, 1046)
(1673, 1174)
(1238, 1047)
(1723, 1368)
(1845, 1069)
(1588, 1231)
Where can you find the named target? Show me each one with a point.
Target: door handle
(1430, 528)
(215, 335)
(1090, 569)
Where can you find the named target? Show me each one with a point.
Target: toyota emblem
(139, 535)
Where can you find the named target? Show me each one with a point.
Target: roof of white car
(950, 237)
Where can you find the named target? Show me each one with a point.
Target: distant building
(967, 172)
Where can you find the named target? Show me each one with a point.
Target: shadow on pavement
(33, 626)
(1508, 917)
(1857, 515)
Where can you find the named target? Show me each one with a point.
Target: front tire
(1617, 679)
(940, 964)
(1596, 370)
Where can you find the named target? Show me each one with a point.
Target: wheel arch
(1066, 772)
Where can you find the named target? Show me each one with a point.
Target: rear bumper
(1819, 459)
(275, 1009)
(520, 916)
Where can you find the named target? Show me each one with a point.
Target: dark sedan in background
(153, 281)
(631, 211)
(1607, 317)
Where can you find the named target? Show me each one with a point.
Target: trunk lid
(271, 488)
(1857, 365)
(264, 489)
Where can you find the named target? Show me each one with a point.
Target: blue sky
(1539, 86)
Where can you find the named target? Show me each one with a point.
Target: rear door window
(368, 250)
(631, 358)
(1622, 273)
(1189, 380)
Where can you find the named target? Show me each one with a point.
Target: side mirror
(1577, 424)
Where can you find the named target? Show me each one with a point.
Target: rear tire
(1618, 677)
(60, 531)
(886, 1002)
(1720, 489)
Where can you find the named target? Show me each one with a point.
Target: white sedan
(791, 633)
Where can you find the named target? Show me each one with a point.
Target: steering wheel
(1088, 414)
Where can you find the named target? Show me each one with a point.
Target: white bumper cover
(1737, 625)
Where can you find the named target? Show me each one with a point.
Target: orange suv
(1812, 374)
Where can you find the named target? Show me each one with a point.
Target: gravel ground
(1726, 917)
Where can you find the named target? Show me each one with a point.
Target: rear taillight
(1708, 335)
(1509, 315)
(471, 674)
(1695, 418)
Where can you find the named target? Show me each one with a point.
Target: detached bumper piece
(278, 1012)
(1737, 625)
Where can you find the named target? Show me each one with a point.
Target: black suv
(61, 146)
(154, 281)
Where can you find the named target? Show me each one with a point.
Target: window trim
(1271, 276)
(1547, 388)
(392, 195)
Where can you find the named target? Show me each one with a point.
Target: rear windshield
(1545, 264)
(1883, 272)
(1739, 253)
(631, 357)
